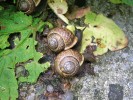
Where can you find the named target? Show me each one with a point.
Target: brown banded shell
(27, 6)
(61, 39)
(67, 63)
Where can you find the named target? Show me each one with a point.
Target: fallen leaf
(103, 33)
(77, 12)
(59, 7)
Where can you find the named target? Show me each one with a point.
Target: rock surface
(114, 70)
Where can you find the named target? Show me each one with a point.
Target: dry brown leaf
(77, 12)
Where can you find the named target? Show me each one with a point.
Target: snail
(61, 39)
(79, 35)
(68, 62)
(27, 6)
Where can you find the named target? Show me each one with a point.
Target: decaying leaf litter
(95, 26)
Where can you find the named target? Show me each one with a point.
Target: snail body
(61, 39)
(68, 62)
(27, 6)
(79, 35)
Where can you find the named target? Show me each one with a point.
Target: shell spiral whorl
(67, 63)
(27, 6)
(55, 42)
(61, 39)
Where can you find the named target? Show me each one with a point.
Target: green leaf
(103, 33)
(49, 24)
(109, 34)
(8, 83)
(14, 1)
(1, 8)
(13, 22)
(91, 17)
(3, 41)
(116, 1)
(128, 2)
(23, 52)
(34, 69)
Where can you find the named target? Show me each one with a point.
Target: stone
(115, 92)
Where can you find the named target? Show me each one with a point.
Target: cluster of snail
(68, 61)
(60, 40)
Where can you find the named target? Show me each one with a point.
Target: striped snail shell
(68, 62)
(27, 6)
(61, 39)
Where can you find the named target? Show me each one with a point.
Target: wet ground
(113, 78)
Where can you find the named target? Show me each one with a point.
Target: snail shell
(27, 6)
(67, 63)
(61, 39)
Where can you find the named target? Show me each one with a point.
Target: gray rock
(68, 96)
(97, 95)
(31, 97)
(130, 58)
(115, 92)
(114, 70)
(50, 88)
